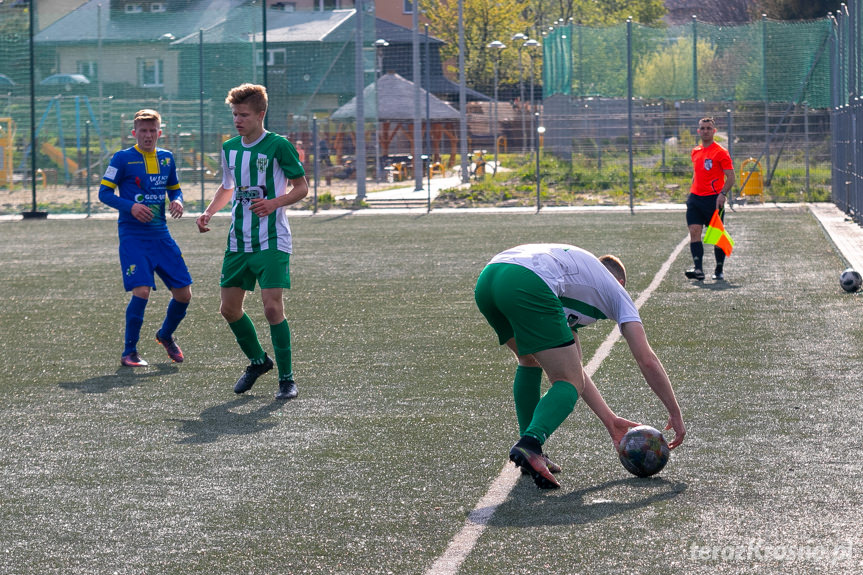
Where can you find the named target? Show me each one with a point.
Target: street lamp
(530, 44)
(380, 44)
(497, 46)
(540, 131)
(519, 38)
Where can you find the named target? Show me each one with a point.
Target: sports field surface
(393, 459)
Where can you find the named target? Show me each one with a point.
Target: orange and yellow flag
(716, 234)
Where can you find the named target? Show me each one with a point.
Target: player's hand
(176, 209)
(263, 207)
(720, 201)
(676, 423)
(202, 222)
(142, 213)
(619, 427)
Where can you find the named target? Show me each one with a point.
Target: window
(275, 57)
(150, 73)
(134, 8)
(286, 6)
(157, 7)
(408, 7)
(89, 68)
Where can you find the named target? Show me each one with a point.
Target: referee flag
(716, 235)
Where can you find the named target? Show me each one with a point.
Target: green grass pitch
(404, 416)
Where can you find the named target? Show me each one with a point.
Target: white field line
(463, 543)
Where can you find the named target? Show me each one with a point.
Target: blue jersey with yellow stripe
(148, 178)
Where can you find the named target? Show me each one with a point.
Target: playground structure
(57, 153)
(7, 137)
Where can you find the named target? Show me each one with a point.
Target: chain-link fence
(73, 86)
(847, 120)
(769, 84)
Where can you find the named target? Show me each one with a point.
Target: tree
(667, 73)
(484, 22)
(797, 9)
(488, 20)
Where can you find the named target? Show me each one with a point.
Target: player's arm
(175, 193)
(263, 207)
(109, 185)
(616, 426)
(220, 200)
(655, 375)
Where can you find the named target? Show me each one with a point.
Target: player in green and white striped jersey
(261, 176)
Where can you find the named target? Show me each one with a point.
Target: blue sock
(134, 321)
(175, 314)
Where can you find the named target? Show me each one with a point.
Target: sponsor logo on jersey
(246, 194)
(149, 198)
(110, 173)
(158, 180)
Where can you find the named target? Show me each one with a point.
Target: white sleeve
(227, 175)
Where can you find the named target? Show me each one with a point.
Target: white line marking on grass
(463, 543)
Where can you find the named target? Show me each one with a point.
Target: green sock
(525, 391)
(247, 337)
(554, 407)
(281, 335)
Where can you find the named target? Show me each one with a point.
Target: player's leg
(138, 279)
(526, 391)
(274, 277)
(537, 321)
(718, 272)
(237, 279)
(134, 321)
(173, 271)
(695, 222)
(528, 374)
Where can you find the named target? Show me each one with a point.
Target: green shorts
(517, 303)
(270, 268)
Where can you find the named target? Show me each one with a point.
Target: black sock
(697, 249)
(720, 258)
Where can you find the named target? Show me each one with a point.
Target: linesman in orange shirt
(712, 179)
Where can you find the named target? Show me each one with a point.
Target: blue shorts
(141, 259)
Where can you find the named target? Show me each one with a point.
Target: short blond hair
(253, 95)
(146, 115)
(615, 266)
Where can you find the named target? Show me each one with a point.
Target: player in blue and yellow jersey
(137, 184)
(261, 176)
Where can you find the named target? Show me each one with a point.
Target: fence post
(315, 162)
(806, 145)
(629, 106)
(764, 92)
(695, 60)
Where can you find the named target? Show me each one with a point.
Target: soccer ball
(850, 280)
(643, 451)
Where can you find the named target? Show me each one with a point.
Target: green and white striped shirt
(262, 169)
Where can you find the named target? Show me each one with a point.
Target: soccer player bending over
(536, 297)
